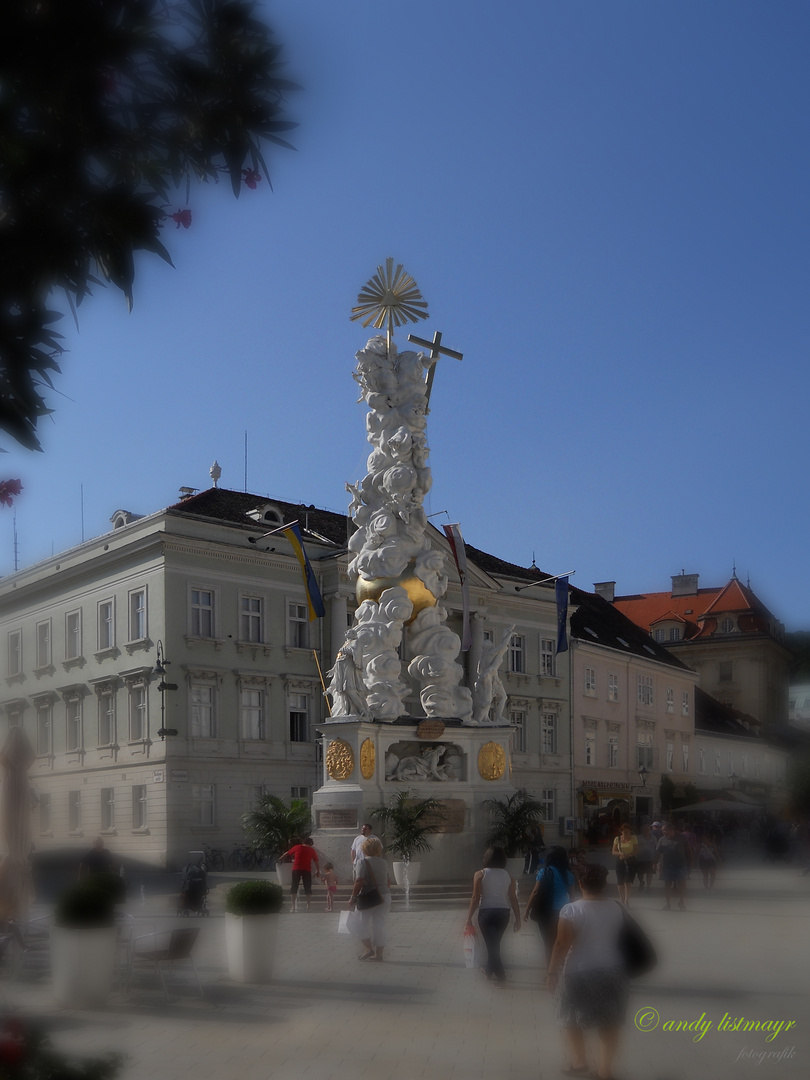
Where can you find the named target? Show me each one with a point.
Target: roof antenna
(734, 570)
(534, 564)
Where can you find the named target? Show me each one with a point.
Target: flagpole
(323, 684)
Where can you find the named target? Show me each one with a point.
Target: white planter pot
(413, 872)
(284, 875)
(82, 965)
(250, 943)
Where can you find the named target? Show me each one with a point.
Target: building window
(613, 752)
(701, 761)
(44, 716)
(74, 811)
(685, 703)
(299, 717)
(137, 615)
(659, 635)
(44, 644)
(590, 749)
(203, 799)
(15, 652)
(139, 818)
(73, 733)
(547, 656)
(727, 625)
(517, 718)
(675, 633)
(250, 619)
(107, 809)
(613, 687)
(717, 766)
(548, 733)
(73, 635)
(137, 712)
(590, 681)
(106, 625)
(645, 690)
(548, 802)
(670, 699)
(300, 793)
(685, 756)
(726, 671)
(644, 750)
(517, 651)
(670, 757)
(202, 613)
(106, 718)
(202, 710)
(252, 706)
(297, 625)
(44, 813)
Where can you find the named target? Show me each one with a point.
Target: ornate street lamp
(163, 686)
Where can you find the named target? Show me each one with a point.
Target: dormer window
(267, 514)
(727, 625)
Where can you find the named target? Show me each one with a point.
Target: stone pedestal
(366, 762)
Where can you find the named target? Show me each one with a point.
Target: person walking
(646, 858)
(625, 851)
(371, 873)
(494, 894)
(708, 858)
(365, 833)
(587, 974)
(557, 878)
(672, 851)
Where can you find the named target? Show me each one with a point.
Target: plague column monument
(400, 644)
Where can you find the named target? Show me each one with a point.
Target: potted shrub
(407, 822)
(250, 929)
(273, 825)
(83, 943)
(512, 821)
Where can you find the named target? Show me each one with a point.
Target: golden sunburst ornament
(390, 298)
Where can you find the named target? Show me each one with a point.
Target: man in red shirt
(303, 856)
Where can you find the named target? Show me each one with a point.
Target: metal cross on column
(436, 350)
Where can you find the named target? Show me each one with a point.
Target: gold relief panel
(367, 759)
(491, 761)
(339, 760)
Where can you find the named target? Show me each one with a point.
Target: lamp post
(163, 686)
(642, 772)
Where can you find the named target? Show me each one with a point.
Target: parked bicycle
(214, 858)
(242, 858)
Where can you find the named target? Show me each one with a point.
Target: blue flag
(561, 589)
(314, 601)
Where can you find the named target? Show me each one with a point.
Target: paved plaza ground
(743, 951)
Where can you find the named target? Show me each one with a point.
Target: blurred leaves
(106, 108)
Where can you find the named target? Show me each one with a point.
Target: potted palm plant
(512, 821)
(250, 929)
(83, 942)
(407, 823)
(272, 826)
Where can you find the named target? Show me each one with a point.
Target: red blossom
(251, 177)
(182, 217)
(9, 488)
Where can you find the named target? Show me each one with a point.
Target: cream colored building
(240, 686)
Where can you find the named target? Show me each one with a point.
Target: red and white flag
(453, 534)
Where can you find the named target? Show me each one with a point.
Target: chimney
(685, 584)
(605, 589)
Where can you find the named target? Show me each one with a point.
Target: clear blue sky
(606, 207)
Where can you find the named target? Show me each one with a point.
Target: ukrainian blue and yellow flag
(314, 601)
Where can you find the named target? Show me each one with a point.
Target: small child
(329, 878)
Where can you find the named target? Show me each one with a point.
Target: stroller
(194, 887)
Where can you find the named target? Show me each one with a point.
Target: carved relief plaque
(339, 760)
(430, 729)
(491, 761)
(367, 759)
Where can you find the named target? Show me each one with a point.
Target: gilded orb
(418, 593)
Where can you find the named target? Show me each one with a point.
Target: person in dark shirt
(673, 853)
(98, 860)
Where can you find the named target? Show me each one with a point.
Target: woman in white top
(371, 871)
(494, 894)
(593, 989)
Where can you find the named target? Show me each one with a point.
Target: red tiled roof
(700, 611)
